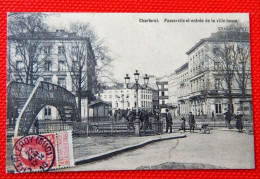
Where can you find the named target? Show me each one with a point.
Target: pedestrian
(168, 121)
(228, 116)
(115, 114)
(36, 126)
(239, 122)
(213, 116)
(192, 122)
(183, 120)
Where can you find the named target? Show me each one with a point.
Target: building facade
(47, 56)
(202, 81)
(183, 89)
(163, 92)
(123, 98)
(173, 89)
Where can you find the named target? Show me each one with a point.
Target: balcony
(163, 97)
(199, 71)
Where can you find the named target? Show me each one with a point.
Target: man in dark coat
(191, 122)
(183, 123)
(228, 116)
(168, 121)
(239, 123)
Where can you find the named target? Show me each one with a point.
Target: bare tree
(104, 69)
(87, 60)
(80, 60)
(24, 32)
(243, 62)
(226, 55)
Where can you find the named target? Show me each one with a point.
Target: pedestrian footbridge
(25, 101)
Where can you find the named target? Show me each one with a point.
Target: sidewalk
(89, 149)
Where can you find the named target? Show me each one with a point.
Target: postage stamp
(44, 152)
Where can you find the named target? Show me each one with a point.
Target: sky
(155, 48)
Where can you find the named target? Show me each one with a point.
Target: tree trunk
(79, 94)
(230, 98)
(79, 106)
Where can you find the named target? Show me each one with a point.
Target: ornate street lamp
(136, 86)
(136, 75)
(127, 80)
(146, 80)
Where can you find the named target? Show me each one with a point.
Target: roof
(100, 101)
(183, 67)
(45, 35)
(223, 36)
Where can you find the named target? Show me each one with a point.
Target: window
(240, 49)
(217, 83)
(216, 65)
(218, 108)
(47, 66)
(61, 50)
(19, 65)
(32, 49)
(19, 49)
(74, 84)
(162, 93)
(246, 108)
(74, 65)
(62, 82)
(215, 50)
(75, 50)
(163, 102)
(47, 111)
(110, 96)
(61, 66)
(47, 49)
(240, 65)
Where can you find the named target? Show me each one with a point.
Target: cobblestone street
(221, 149)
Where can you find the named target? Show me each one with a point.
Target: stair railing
(25, 106)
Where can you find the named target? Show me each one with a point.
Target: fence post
(111, 127)
(88, 129)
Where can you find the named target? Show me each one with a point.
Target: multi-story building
(162, 84)
(46, 54)
(125, 98)
(154, 88)
(173, 100)
(183, 89)
(205, 81)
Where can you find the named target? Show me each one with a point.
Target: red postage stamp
(42, 152)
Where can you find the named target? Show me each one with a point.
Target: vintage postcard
(128, 91)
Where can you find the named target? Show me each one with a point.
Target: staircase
(68, 113)
(28, 100)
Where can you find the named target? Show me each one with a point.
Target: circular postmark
(33, 153)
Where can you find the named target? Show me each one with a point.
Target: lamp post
(136, 86)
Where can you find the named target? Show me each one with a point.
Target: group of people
(192, 122)
(239, 122)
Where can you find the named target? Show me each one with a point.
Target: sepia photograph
(128, 91)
